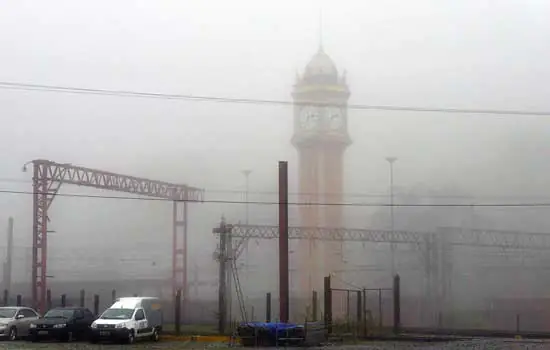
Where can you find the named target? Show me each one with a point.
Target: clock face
(335, 118)
(310, 118)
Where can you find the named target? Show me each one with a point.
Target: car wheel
(131, 337)
(13, 333)
(155, 336)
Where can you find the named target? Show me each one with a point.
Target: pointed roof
(321, 67)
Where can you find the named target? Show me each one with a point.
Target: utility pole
(9, 259)
(392, 160)
(223, 259)
(283, 244)
(229, 266)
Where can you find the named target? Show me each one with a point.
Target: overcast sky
(439, 53)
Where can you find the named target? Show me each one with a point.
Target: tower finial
(320, 29)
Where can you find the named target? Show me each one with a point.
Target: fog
(437, 54)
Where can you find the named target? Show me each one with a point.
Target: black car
(62, 323)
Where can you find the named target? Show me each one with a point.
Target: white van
(129, 319)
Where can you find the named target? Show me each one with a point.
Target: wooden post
(177, 311)
(268, 307)
(82, 298)
(396, 305)
(328, 305)
(63, 300)
(48, 299)
(96, 304)
(5, 299)
(113, 295)
(19, 300)
(314, 304)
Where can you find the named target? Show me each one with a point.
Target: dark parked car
(62, 323)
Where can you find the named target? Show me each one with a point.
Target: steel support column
(48, 177)
(36, 228)
(43, 194)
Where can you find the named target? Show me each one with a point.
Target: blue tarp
(274, 328)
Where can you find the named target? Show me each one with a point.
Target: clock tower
(321, 137)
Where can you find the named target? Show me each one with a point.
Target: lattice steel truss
(453, 236)
(48, 176)
(436, 247)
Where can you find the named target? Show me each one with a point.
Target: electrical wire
(345, 194)
(187, 97)
(344, 204)
(351, 194)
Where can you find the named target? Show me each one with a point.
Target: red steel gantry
(47, 179)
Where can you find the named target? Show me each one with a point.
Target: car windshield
(117, 314)
(7, 312)
(59, 313)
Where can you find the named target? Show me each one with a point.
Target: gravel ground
(473, 344)
(87, 346)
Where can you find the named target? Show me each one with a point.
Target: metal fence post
(348, 310)
(63, 300)
(365, 312)
(359, 309)
(380, 311)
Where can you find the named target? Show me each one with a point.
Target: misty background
(450, 54)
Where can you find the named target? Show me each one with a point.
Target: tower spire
(320, 29)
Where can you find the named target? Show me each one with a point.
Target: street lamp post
(391, 161)
(246, 174)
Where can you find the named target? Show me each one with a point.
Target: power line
(352, 194)
(187, 97)
(349, 204)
